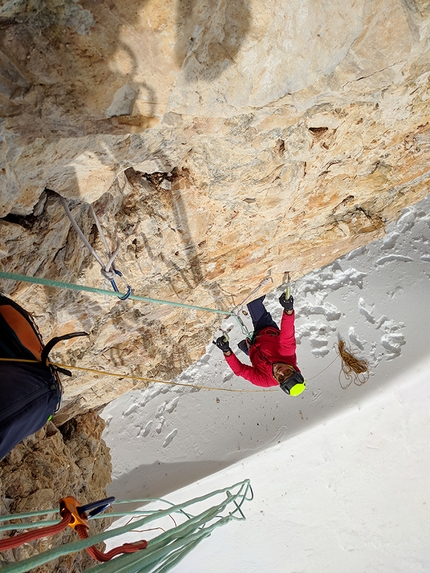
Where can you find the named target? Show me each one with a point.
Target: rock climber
(30, 391)
(272, 350)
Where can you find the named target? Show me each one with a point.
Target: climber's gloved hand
(287, 303)
(222, 343)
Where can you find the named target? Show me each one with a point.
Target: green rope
(31, 525)
(46, 523)
(71, 286)
(175, 539)
(29, 514)
(163, 551)
(177, 556)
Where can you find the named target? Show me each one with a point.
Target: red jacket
(269, 346)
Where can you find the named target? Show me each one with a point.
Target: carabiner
(96, 507)
(115, 288)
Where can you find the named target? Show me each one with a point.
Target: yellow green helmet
(294, 385)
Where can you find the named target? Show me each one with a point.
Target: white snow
(340, 476)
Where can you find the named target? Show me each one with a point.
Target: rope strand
(129, 376)
(18, 540)
(72, 286)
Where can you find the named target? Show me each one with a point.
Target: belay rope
(132, 377)
(65, 368)
(346, 363)
(84, 288)
(161, 553)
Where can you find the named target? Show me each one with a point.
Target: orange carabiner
(70, 505)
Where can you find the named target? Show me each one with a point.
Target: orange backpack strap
(23, 329)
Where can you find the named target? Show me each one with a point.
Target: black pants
(261, 319)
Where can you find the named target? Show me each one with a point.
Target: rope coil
(354, 369)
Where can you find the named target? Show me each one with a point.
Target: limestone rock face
(218, 140)
(51, 464)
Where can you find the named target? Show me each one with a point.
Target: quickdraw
(108, 270)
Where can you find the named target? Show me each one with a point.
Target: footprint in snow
(406, 221)
(390, 241)
(316, 395)
(320, 352)
(171, 406)
(160, 410)
(205, 359)
(160, 425)
(130, 410)
(366, 313)
(169, 438)
(147, 429)
(317, 342)
(354, 338)
(391, 258)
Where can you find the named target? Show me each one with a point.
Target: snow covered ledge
(349, 495)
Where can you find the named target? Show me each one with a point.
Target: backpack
(30, 391)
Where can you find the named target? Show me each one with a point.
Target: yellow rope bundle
(354, 369)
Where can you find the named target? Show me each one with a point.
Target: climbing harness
(248, 333)
(239, 308)
(108, 270)
(75, 516)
